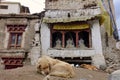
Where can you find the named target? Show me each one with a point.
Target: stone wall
(36, 46)
(2, 33)
(27, 35)
(68, 4)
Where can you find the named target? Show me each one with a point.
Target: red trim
(16, 28)
(12, 62)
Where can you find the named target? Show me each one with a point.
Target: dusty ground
(29, 73)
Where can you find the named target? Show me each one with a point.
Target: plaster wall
(45, 37)
(98, 59)
(96, 37)
(12, 8)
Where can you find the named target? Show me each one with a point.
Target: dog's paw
(47, 77)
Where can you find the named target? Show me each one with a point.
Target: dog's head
(43, 66)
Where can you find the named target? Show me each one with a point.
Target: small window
(3, 7)
(15, 40)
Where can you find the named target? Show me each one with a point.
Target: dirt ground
(29, 73)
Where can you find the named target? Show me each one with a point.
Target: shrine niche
(84, 39)
(70, 40)
(56, 39)
(69, 43)
(58, 43)
(69, 36)
(81, 44)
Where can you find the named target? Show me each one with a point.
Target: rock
(115, 75)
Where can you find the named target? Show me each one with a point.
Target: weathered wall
(36, 47)
(27, 36)
(96, 37)
(12, 8)
(2, 33)
(45, 38)
(68, 4)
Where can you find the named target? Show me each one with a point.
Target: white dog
(54, 67)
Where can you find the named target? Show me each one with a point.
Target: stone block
(115, 75)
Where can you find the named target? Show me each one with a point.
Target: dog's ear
(39, 67)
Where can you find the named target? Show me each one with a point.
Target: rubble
(112, 56)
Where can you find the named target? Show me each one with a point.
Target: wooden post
(77, 39)
(51, 38)
(63, 39)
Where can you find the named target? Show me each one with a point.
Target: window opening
(15, 40)
(84, 37)
(70, 40)
(56, 39)
(3, 7)
(61, 38)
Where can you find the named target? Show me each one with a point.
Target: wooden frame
(16, 43)
(63, 32)
(15, 38)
